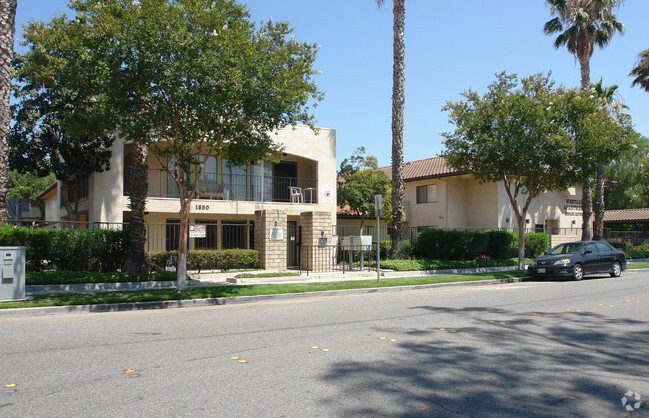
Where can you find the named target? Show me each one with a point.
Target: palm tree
(136, 262)
(7, 30)
(580, 25)
(641, 71)
(398, 100)
(613, 106)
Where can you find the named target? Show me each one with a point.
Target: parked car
(577, 259)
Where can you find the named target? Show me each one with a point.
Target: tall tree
(194, 78)
(62, 125)
(580, 25)
(359, 180)
(614, 106)
(640, 71)
(398, 102)
(7, 30)
(528, 136)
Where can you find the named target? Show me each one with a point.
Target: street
(527, 349)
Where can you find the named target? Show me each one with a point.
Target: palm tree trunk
(135, 256)
(398, 101)
(587, 192)
(7, 29)
(598, 205)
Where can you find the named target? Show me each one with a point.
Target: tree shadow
(505, 363)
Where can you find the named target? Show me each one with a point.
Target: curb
(140, 306)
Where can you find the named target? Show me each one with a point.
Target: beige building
(298, 192)
(438, 196)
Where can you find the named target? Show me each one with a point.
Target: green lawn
(91, 298)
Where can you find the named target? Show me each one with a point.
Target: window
(233, 234)
(209, 242)
(427, 194)
(235, 179)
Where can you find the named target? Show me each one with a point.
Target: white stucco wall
(106, 202)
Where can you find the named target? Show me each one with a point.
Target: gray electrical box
(12, 272)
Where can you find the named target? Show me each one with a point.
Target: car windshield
(566, 249)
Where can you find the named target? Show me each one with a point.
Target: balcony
(238, 187)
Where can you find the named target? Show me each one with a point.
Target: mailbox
(12, 282)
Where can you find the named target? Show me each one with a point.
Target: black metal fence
(232, 186)
(336, 258)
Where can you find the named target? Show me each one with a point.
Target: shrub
(536, 244)
(502, 244)
(79, 250)
(201, 259)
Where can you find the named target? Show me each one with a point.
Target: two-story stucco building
(438, 196)
(299, 195)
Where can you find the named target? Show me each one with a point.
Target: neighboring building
(299, 194)
(23, 211)
(439, 196)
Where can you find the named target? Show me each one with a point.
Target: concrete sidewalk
(212, 278)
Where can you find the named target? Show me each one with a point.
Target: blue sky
(451, 46)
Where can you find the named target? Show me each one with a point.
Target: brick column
(313, 225)
(272, 252)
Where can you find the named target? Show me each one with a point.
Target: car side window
(591, 247)
(602, 247)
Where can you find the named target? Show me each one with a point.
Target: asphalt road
(525, 349)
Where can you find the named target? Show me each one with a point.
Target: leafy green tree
(7, 30)
(614, 106)
(62, 125)
(628, 171)
(527, 135)
(580, 25)
(398, 102)
(193, 78)
(29, 186)
(359, 180)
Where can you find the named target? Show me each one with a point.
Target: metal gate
(293, 239)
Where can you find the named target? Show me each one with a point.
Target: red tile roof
(627, 215)
(423, 169)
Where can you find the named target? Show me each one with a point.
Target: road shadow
(504, 364)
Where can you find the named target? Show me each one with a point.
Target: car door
(590, 257)
(606, 256)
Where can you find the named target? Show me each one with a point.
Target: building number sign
(201, 207)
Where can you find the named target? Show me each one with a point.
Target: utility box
(12, 271)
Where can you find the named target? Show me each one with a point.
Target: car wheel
(616, 270)
(578, 272)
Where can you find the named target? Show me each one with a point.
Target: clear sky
(451, 46)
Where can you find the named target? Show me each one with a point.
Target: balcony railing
(241, 187)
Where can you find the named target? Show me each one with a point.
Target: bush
(79, 250)
(502, 244)
(439, 244)
(536, 244)
(201, 259)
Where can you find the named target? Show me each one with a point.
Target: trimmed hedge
(440, 244)
(201, 259)
(79, 250)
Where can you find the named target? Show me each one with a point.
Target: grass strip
(93, 298)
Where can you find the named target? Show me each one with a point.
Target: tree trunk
(584, 65)
(587, 192)
(587, 212)
(7, 29)
(598, 205)
(181, 284)
(138, 186)
(398, 101)
(521, 241)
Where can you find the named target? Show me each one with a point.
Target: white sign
(327, 194)
(197, 231)
(276, 234)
